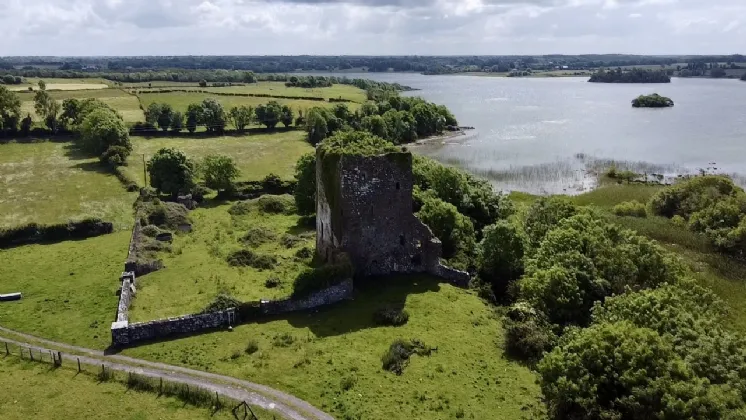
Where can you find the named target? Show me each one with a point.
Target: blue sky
(330, 27)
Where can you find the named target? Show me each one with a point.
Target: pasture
(256, 155)
(126, 104)
(51, 183)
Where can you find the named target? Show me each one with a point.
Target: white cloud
(159, 27)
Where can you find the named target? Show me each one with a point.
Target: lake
(550, 135)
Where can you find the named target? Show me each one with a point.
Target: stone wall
(125, 334)
(334, 294)
(365, 208)
(127, 292)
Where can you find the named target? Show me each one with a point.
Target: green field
(51, 183)
(348, 92)
(196, 269)
(256, 155)
(62, 84)
(127, 105)
(33, 390)
(468, 371)
(69, 288)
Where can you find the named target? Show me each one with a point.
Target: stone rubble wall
(334, 294)
(129, 334)
(126, 294)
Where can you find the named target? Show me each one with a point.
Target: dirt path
(255, 394)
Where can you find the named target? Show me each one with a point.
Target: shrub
(101, 129)
(276, 204)
(219, 172)
(252, 347)
(528, 334)
(313, 280)
(283, 340)
(257, 236)
(304, 253)
(221, 302)
(396, 358)
(151, 231)
(618, 371)
(241, 208)
(630, 208)
(652, 101)
(115, 156)
(347, 383)
(167, 215)
(544, 214)
(391, 316)
(272, 282)
(501, 257)
(248, 258)
(289, 241)
(272, 184)
(305, 190)
(454, 230)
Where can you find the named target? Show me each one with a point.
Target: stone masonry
(364, 208)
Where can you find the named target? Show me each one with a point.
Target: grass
(181, 100)
(255, 155)
(266, 88)
(467, 372)
(68, 288)
(197, 268)
(62, 84)
(128, 107)
(35, 390)
(50, 183)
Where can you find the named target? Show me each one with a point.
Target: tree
(717, 72)
(454, 230)
(171, 172)
(46, 107)
(316, 126)
(619, 371)
(249, 77)
(42, 85)
(501, 259)
(652, 101)
(287, 116)
(70, 112)
(219, 172)
(26, 124)
(376, 125)
(305, 189)
(102, 129)
(203, 83)
(241, 116)
(165, 117)
(213, 115)
(342, 111)
(193, 117)
(743, 77)
(10, 109)
(369, 109)
(152, 114)
(269, 114)
(177, 122)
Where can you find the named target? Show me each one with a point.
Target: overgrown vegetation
(630, 208)
(391, 316)
(396, 358)
(249, 258)
(652, 101)
(314, 279)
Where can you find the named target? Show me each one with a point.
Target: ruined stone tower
(364, 208)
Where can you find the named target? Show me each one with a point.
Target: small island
(630, 76)
(652, 101)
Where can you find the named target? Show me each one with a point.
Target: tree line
(634, 75)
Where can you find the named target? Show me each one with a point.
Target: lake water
(550, 135)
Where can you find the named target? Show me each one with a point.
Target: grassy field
(181, 100)
(127, 105)
(34, 390)
(196, 269)
(265, 88)
(255, 155)
(69, 288)
(332, 357)
(50, 183)
(61, 84)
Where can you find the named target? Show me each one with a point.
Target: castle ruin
(364, 209)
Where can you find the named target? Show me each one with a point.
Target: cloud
(361, 27)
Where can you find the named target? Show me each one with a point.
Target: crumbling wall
(125, 334)
(334, 294)
(365, 208)
(126, 294)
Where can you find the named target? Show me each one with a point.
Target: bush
(252, 347)
(283, 340)
(101, 129)
(219, 172)
(247, 258)
(305, 190)
(273, 184)
(115, 156)
(221, 302)
(454, 230)
(276, 204)
(652, 101)
(544, 214)
(272, 282)
(347, 383)
(396, 358)
(151, 231)
(320, 278)
(304, 253)
(257, 236)
(630, 208)
(501, 257)
(289, 241)
(528, 334)
(241, 208)
(618, 371)
(391, 316)
(167, 215)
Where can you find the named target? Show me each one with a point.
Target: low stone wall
(131, 262)
(125, 296)
(124, 334)
(455, 277)
(334, 294)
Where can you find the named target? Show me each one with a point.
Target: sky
(370, 27)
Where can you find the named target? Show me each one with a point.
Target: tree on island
(634, 75)
(652, 101)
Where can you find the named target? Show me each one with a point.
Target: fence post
(78, 364)
(7, 350)
(59, 357)
(217, 399)
(31, 353)
(160, 391)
